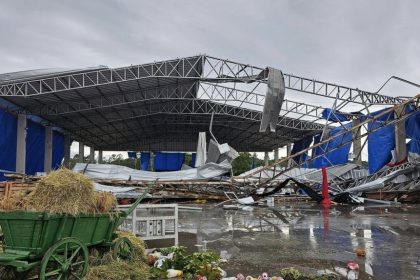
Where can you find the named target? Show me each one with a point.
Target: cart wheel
(122, 249)
(67, 259)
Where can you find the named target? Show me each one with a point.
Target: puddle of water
(309, 238)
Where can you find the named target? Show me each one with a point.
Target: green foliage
(202, 263)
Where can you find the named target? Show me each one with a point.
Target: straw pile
(108, 268)
(62, 192)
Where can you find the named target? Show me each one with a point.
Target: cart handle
(138, 200)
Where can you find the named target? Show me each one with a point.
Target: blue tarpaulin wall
(299, 146)
(144, 161)
(412, 128)
(193, 158)
(338, 156)
(8, 135)
(132, 154)
(168, 161)
(57, 149)
(334, 115)
(35, 147)
(380, 142)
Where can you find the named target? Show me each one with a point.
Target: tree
(242, 163)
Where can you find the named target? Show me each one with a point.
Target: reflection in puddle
(310, 238)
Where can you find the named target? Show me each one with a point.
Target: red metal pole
(326, 197)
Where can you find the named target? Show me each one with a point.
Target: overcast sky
(357, 43)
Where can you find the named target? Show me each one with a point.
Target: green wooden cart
(58, 244)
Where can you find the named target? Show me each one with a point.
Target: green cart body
(29, 236)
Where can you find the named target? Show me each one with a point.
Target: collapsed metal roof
(164, 105)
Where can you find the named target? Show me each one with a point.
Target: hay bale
(119, 270)
(17, 201)
(64, 192)
(139, 254)
(105, 202)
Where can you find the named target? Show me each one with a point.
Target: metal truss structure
(393, 115)
(163, 105)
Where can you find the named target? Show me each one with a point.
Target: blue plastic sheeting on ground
(168, 161)
(380, 145)
(193, 158)
(412, 128)
(132, 154)
(57, 149)
(144, 161)
(334, 115)
(299, 146)
(337, 156)
(35, 148)
(8, 135)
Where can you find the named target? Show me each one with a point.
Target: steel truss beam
(215, 70)
(195, 106)
(220, 70)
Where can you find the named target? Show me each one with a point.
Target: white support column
(81, 152)
(21, 144)
(48, 149)
(100, 156)
(266, 158)
(276, 154)
(400, 137)
(92, 155)
(67, 145)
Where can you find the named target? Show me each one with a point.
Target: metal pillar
(21, 144)
(92, 155)
(100, 156)
(289, 152)
(266, 158)
(357, 143)
(81, 152)
(276, 154)
(67, 145)
(48, 149)
(400, 137)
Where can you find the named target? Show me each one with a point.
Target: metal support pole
(400, 137)
(48, 149)
(276, 154)
(21, 144)
(357, 143)
(266, 158)
(92, 155)
(67, 145)
(289, 152)
(100, 157)
(81, 152)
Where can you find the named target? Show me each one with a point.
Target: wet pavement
(309, 238)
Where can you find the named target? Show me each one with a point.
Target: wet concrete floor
(309, 238)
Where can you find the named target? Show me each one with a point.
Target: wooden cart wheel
(67, 259)
(123, 249)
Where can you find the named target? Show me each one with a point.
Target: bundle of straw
(64, 192)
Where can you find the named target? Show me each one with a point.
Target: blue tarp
(168, 161)
(193, 158)
(334, 115)
(412, 128)
(57, 149)
(338, 156)
(144, 161)
(8, 125)
(299, 146)
(380, 145)
(35, 147)
(132, 154)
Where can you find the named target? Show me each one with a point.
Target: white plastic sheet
(116, 172)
